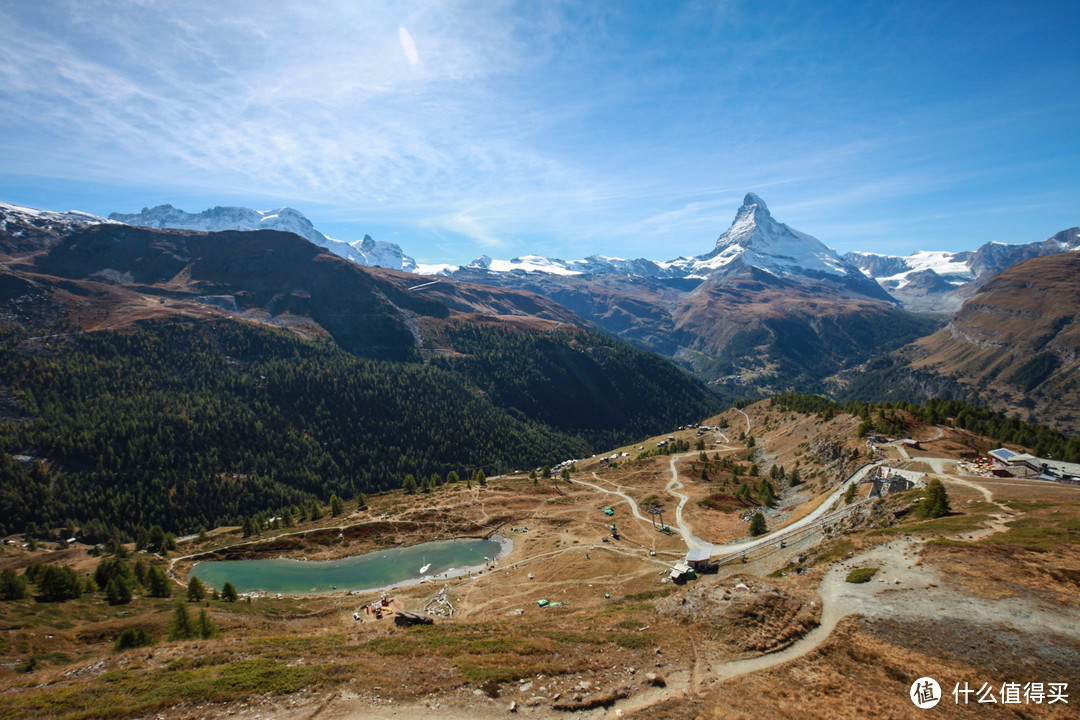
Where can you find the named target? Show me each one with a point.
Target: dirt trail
(904, 587)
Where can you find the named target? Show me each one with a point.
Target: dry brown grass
(281, 645)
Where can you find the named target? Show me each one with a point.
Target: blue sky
(561, 128)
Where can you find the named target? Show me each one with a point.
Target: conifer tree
(936, 502)
(117, 592)
(757, 525)
(158, 584)
(206, 627)
(196, 591)
(12, 585)
(228, 593)
(181, 627)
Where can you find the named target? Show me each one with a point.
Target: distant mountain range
(925, 281)
(364, 252)
(941, 281)
(767, 309)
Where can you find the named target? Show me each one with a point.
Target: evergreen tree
(12, 585)
(336, 506)
(228, 593)
(140, 572)
(181, 627)
(532, 476)
(196, 591)
(794, 478)
(409, 485)
(757, 525)
(849, 496)
(452, 477)
(766, 495)
(742, 492)
(158, 584)
(114, 568)
(58, 583)
(936, 502)
(206, 628)
(117, 592)
(704, 474)
(361, 501)
(481, 478)
(287, 518)
(133, 638)
(158, 542)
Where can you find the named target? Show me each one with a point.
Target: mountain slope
(1014, 346)
(144, 370)
(184, 423)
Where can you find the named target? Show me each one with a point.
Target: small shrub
(861, 575)
(133, 638)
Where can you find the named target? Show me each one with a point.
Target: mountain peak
(751, 200)
(755, 239)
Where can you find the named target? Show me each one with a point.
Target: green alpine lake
(370, 571)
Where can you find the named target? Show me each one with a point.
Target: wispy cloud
(567, 127)
(408, 46)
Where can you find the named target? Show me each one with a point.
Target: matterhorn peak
(756, 239)
(753, 200)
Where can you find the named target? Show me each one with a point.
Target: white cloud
(408, 46)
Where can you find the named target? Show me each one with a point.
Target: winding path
(695, 543)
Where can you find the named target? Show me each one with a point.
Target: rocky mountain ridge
(941, 281)
(367, 252)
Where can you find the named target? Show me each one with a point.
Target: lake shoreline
(505, 547)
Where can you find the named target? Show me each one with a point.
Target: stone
(513, 706)
(655, 680)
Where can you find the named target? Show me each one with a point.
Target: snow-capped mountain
(592, 265)
(364, 252)
(754, 240)
(24, 229)
(928, 280)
